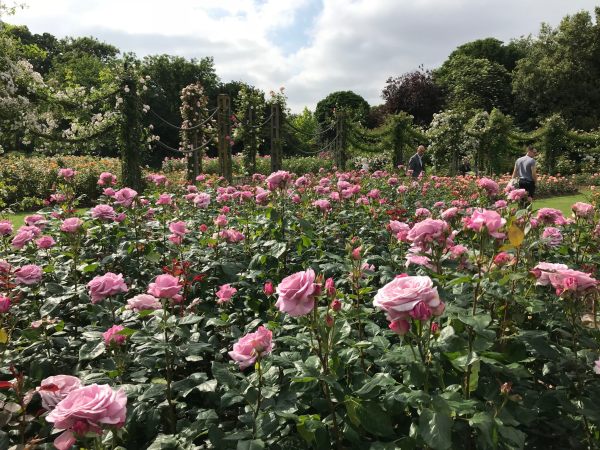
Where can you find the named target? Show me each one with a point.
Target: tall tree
(356, 107)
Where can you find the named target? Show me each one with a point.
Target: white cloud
(351, 45)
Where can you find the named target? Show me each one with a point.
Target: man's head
(531, 151)
(421, 150)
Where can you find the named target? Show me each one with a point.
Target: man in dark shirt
(415, 163)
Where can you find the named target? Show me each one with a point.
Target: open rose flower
(28, 275)
(296, 293)
(125, 196)
(71, 225)
(278, 180)
(488, 219)
(427, 231)
(246, 351)
(407, 296)
(165, 286)
(106, 285)
(103, 212)
(581, 209)
(543, 271)
(54, 389)
(225, 293)
(143, 302)
(112, 336)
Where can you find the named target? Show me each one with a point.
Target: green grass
(562, 203)
(18, 219)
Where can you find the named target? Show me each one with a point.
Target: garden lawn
(18, 219)
(562, 203)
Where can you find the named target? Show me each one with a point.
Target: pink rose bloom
(500, 204)
(449, 213)
(36, 220)
(330, 287)
(597, 367)
(401, 296)
(323, 205)
(543, 271)
(71, 225)
(551, 216)
(67, 173)
(250, 347)
(28, 275)
(297, 293)
(374, 194)
(278, 180)
(45, 242)
(125, 197)
(221, 220)
(112, 335)
(427, 231)
(165, 286)
(143, 302)
(54, 389)
(164, 199)
(485, 218)
(6, 227)
(231, 236)
(268, 288)
(490, 186)
(106, 285)
(458, 250)
(502, 258)
(201, 178)
(107, 179)
(262, 196)
(178, 228)
(572, 280)
(22, 238)
(422, 212)
(392, 181)
(581, 209)
(301, 182)
(225, 293)
(4, 304)
(516, 195)
(109, 192)
(553, 236)
(157, 179)
(400, 326)
(87, 409)
(103, 212)
(396, 226)
(202, 200)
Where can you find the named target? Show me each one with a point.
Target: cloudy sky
(312, 47)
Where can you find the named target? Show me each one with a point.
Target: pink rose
(54, 389)
(543, 271)
(107, 179)
(103, 212)
(22, 238)
(143, 302)
(427, 231)
(106, 285)
(553, 236)
(71, 225)
(202, 200)
(396, 227)
(551, 216)
(502, 258)
(581, 209)
(278, 180)
(268, 288)
(109, 192)
(88, 409)
(6, 227)
(178, 228)
(330, 287)
(225, 293)
(490, 186)
(597, 367)
(28, 275)
(36, 220)
(221, 220)
(45, 242)
(323, 205)
(422, 213)
(485, 218)
(125, 197)
(112, 335)
(516, 195)
(400, 326)
(165, 199)
(400, 296)
(165, 286)
(66, 173)
(4, 304)
(500, 204)
(231, 236)
(297, 293)
(564, 280)
(252, 346)
(458, 250)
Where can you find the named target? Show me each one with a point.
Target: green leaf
(91, 350)
(254, 444)
(478, 322)
(374, 419)
(435, 428)
(190, 320)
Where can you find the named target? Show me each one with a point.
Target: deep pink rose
(112, 335)
(485, 218)
(268, 288)
(502, 258)
(400, 326)
(427, 231)
(54, 389)
(106, 285)
(28, 275)
(143, 302)
(165, 286)
(564, 280)
(125, 197)
(225, 293)
(71, 225)
(251, 346)
(401, 295)
(103, 212)
(297, 293)
(45, 242)
(4, 304)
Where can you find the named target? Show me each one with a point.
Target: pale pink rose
(109, 192)
(262, 196)
(490, 186)
(551, 216)
(54, 389)
(392, 181)
(103, 212)
(157, 179)
(165, 286)
(4, 304)
(66, 173)
(374, 194)
(45, 242)
(106, 285)
(516, 195)
(323, 205)
(396, 226)
(400, 296)
(165, 199)
(6, 227)
(22, 238)
(581, 209)
(28, 275)
(252, 346)
(220, 220)
(88, 409)
(278, 180)
(458, 250)
(225, 293)
(143, 302)
(36, 220)
(488, 219)
(202, 200)
(422, 213)
(112, 335)
(107, 179)
(297, 293)
(301, 182)
(597, 367)
(553, 236)
(71, 225)
(231, 236)
(572, 280)
(427, 231)
(500, 204)
(178, 228)
(125, 197)
(543, 271)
